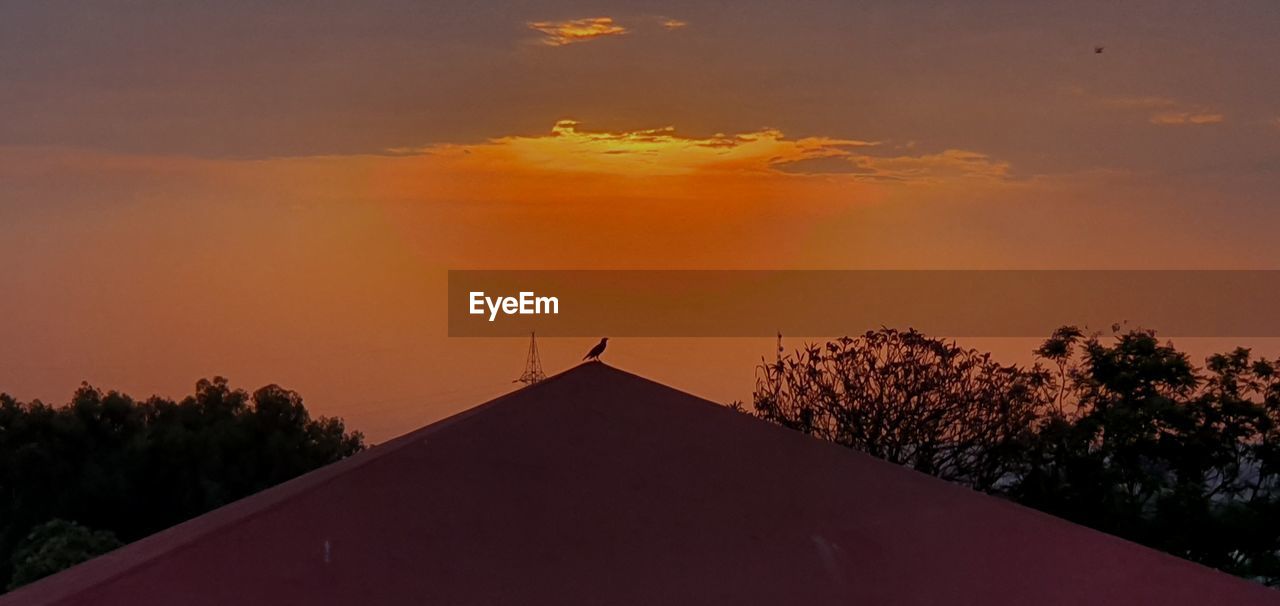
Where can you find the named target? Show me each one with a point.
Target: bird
(595, 352)
(1098, 50)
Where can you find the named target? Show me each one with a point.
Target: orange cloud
(659, 151)
(671, 24)
(723, 159)
(1178, 118)
(560, 33)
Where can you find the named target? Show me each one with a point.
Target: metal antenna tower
(532, 365)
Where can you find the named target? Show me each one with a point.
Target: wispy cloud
(1179, 118)
(1139, 103)
(671, 24)
(1164, 111)
(948, 165)
(951, 165)
(561, 33)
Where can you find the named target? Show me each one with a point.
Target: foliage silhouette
(131, 468)
(56, 545)
(1123, 434)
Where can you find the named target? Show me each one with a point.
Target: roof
(600, 487)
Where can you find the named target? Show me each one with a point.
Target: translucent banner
(986, 303)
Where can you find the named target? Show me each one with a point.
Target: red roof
(600, 487)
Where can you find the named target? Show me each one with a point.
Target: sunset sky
(273, 192)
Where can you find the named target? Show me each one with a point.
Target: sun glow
(662, 151)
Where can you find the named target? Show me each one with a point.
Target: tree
(909, 399)
(1122, 434)
(132, 468)
(55, 545)
(1160, 452)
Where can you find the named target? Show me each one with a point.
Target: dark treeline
(106, 469)
(1120, 433)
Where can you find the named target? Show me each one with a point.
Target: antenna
(532, 365)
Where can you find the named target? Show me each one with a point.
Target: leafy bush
(55, 545)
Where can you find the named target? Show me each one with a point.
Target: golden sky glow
(651, 152)
(277, 200)
(571, 148)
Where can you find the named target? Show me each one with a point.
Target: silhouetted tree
(132, 468)
(1160, 452)
(909, 399)
(56, 545)
(1124, 434)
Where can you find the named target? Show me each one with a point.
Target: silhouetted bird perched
(595, 352)
(1097, 50)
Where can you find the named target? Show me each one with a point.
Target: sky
(273, 191)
